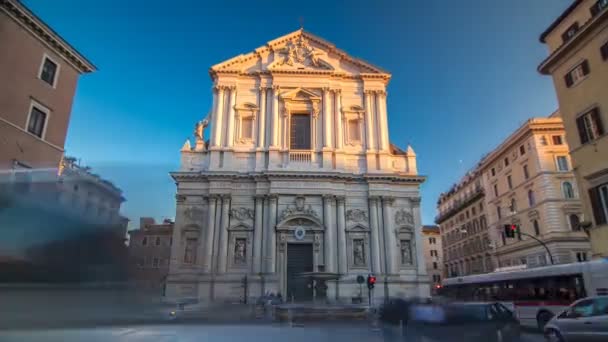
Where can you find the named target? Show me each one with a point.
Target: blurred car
(478, 321)
(585, 320)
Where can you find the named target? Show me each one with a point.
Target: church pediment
(298, 52)
(301, 94)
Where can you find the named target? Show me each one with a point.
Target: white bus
(535, 294)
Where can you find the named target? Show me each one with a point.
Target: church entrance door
(299, 260)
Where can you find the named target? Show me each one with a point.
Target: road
(215, 333)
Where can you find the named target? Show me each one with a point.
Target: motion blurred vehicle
(534, 294)
(585, 320)
(474, 321)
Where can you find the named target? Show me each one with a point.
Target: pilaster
(270, 237)
(206, 251)
(330, 229)
(389, 236)
(375, 243)
(257, 234)
(342, 253)
(223, 231)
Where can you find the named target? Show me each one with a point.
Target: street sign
(360, 279)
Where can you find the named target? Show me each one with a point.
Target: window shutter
(604, 50)
(568, 78)
(582, 132)
(596, 205)
(585, 66)
(595, 116)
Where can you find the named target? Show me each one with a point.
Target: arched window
(536, 227)
(574, 222)
(568, 190)
(531, 199)
(513, 206)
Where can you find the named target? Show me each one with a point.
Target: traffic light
(510, 230)
(371, 281)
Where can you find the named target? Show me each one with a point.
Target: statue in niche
(240, 257)
(359, 252)
(406, 252)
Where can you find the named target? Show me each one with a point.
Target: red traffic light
(513, 227)
(372, 280)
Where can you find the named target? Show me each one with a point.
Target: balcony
(459, 204)
(300, 157)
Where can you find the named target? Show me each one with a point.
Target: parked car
(585, 320)
(455, 322)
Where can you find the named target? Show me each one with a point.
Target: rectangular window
(48, 71)
(589, 126)
(522, 150)
(598, 7)
(570, 32)
(498, 212)
(353, 130)
(599, 203)
(144, 242)
(473, 211)
(557, 140)
(604, 51)
(36, 122)
(155, 263)
(507, 161)
(510, 182)
(577, 74)
(493, 172)
(247, 128)
(562, 163)
(496, 190)
(300, 132)
(526, 173)
(434, 265)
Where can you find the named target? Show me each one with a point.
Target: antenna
(301, 20)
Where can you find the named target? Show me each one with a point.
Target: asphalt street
(215, 333)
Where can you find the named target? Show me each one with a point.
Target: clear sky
(464, 76)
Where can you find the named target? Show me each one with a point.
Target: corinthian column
(275, 117)
(375, 245)
(341, 237)
(270, 234)
(230, 136)
(218, 118)
(207, 241)
(223, 244)
(389, 235)
(213, 115)
(338, 116)
(382, 115)
(257, 235)
(369, 121)
(327, 127)
(415, 205)
(262, 119)
(330, 239)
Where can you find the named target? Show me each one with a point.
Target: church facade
(297, 175)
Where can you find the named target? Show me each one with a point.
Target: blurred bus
(534, 294)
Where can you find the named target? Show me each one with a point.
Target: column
(275, 117)
(375, 243)
(389, 235)
(223, 245)
(342, 268)
(369, 121)
(207, 241)
(327, 129)
(218, 118)
(270, 234)
(257, 235)
(214, 106)
(230, 133)
(415, 205)
(262, 119)
(330, 239)
(339, 123)
(383, 137)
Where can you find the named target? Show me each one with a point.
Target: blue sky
(464, 76)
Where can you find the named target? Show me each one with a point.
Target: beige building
(298, 175)
(149, 252)
(39, 74)
(431, 242)
(527, 181)
(578, 62)
(463, 227)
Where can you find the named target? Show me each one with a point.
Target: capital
(263, 89)
(374, 199)
(276, 87)
(389, 200)
(328, 197)
(180, 198)
(341, 199)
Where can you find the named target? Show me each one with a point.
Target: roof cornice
(26, 18)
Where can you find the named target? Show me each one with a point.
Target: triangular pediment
(301, 94)
(298, 52)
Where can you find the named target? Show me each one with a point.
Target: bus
(534, 294)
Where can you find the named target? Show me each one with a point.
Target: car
(584, 320)
(478, 321)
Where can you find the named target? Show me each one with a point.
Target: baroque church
(296, 177)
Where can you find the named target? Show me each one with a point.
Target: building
(39, 71)
(463, 226)
(298, 176)
(578, 62)
(433, 254)
(149, 252)
(529, 182)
